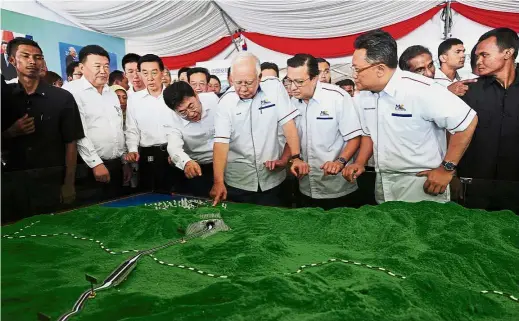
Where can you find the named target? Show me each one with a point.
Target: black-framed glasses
(298, 82)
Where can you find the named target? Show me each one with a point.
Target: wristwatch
(342, 160)
(449, 166)
(296, 156)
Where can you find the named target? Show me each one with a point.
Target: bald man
(251, 116)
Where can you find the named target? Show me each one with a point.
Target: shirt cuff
(353, 134)
(285, 119)
(465, 122)
(181, 160)
(221, 139)
(93, 161)
(132, 148)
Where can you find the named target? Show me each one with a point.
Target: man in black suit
(8, 70)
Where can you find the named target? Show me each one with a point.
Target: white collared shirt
(251, 128)
(193, 140)
(326, 123)
(407, 123)
(146, 118)
(441, 79)
(102, 120)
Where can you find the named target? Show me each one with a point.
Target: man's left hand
(299, 168)
(68, 193)
(437, 180)
(332, 168)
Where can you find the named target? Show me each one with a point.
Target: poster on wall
(6, 68)
(69, 53)
(219, 69)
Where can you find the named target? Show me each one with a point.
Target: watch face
(449, 166)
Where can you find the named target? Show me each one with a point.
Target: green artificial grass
(447, 254)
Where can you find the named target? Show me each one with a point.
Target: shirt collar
(318, 93)
(393, 83)
(439, 74)
(489, 80)
(145, 92)
(40, 90)
(88, 85)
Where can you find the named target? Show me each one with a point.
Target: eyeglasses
(246, 83)
(186, 112)
(298, 82)
(358, 71)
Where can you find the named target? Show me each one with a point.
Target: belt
(162, 148)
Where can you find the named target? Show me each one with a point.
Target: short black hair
(215, 77)
(182, 70)
(175, 94)
(115, 75)
(409, 54)
(228, 72)
(128, 58)
(92, 50)
(380, 47)
(505, 38)
(13, 45)
(51, 77)
(319, 59)
(150, 58)
(197, 70)
(70, 68)
(446, 45)
(346, 82)
(270, 65)
(305, 60)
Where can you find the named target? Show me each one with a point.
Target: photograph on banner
(69, 53)
(219, 69)
(8, 70)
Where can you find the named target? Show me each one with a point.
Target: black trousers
(350, 200)
(90, 191)
(491, 195)
(155, 173)
(31, 192)
(201, 185)
(270, 197)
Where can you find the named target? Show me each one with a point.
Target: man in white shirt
(250, 117)
(329, 130)
(147, 118)
(135, 82)
(451, 54)
(103, 147)
(325, 75)
(403, 117)
(198, 78)
(191, 136)
(418, 59)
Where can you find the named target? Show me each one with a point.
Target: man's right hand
(218, 193)
(23, 126)
(132, 157)
(101, 173)
(351, 172)
(459, 88)
(192, 169)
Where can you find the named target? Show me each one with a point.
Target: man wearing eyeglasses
(404, 117)
(198, 78)
(324, 71)
(330, 132)
(191, 136)
(146, 120)
(248, 159)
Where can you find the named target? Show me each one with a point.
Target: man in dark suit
(8, 70)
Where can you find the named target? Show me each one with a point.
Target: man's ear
(12, 60)
(509, 53)
(442, 58)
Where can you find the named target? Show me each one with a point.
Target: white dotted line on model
(181, 266)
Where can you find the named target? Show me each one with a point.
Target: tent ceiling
(170, 28)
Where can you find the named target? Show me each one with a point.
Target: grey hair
(243, 56)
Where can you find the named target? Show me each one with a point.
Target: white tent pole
(224, 14)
